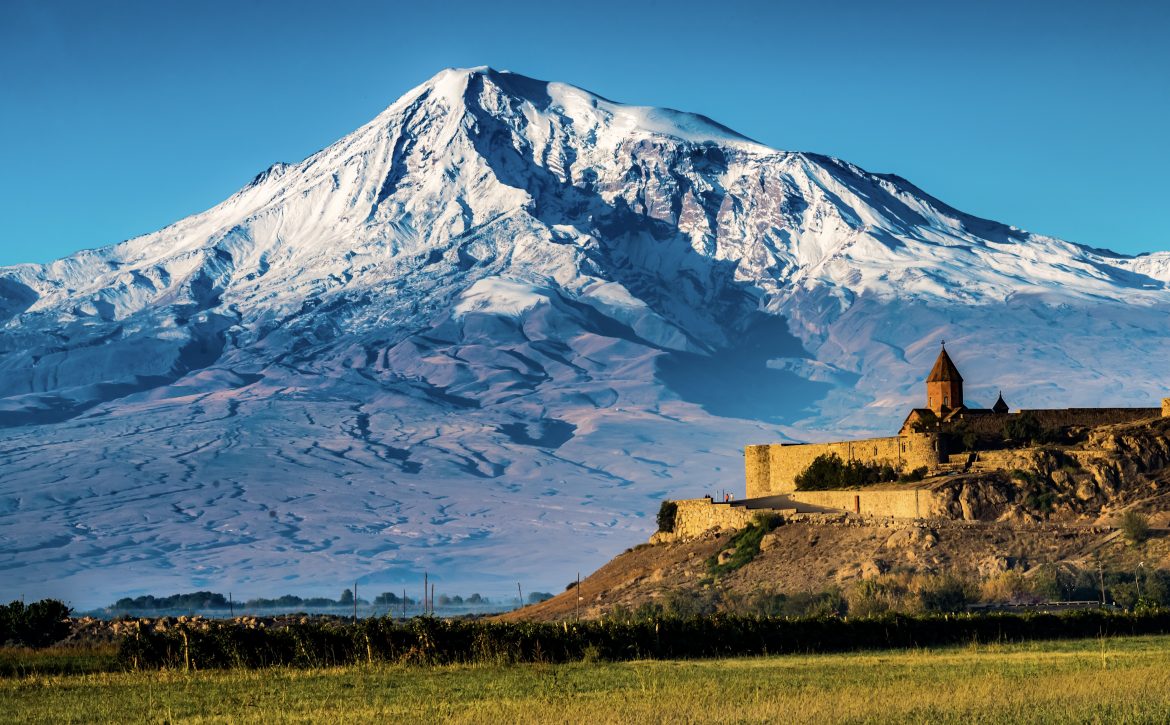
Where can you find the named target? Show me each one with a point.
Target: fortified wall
(771, 469)
(897, 503)
(1060, 418)
(697, 515)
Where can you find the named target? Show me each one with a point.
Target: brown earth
(814, 557)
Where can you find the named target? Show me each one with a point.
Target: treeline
(213, 600)
(193, 600)
(432, 641)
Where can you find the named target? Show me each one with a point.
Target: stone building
(927, 438)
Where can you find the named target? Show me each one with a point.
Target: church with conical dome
(906, 476)
(943, 437)
(944, 399)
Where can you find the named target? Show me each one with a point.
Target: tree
(667, 513)
(1135, 527)
(346, 597)
(1022, 427)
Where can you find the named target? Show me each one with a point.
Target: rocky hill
(1047, 526)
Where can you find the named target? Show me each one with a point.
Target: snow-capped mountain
(486, 332)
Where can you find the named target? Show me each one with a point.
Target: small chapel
(944, 399)
(943, 436)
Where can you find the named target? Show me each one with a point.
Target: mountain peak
(504, 300)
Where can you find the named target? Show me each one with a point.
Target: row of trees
(828, 472)
(430, 641)
(203, 600)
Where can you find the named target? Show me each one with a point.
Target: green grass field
(1112, 680)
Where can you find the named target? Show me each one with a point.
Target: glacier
(487, 332)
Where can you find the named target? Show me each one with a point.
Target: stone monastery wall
(914, 503)
(1056, 417)
(772, 468)
(696, 515)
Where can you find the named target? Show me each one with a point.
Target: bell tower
(944, 385)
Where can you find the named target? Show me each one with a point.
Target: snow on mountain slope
(487, 331)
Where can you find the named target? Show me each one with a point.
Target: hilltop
(1036, 529)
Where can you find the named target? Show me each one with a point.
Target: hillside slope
(1044, 523)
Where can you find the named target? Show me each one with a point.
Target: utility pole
(355, 602)
(425, 585)
(432, 600)
(404, 604)
(1101, 578)
(520, 594)
(231, 607)
(578, 596)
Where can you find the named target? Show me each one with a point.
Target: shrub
(869, 598)
(537, 597)
(944, 594)
(667, 513)
(828, 471)
(1022, 427)
(913, 476)
(39, 624)
(1135, 527)
(744, 545)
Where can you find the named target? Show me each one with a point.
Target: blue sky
(118, 118)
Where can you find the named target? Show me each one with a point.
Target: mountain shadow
(736, 382)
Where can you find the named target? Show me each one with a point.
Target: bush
(913, 476)
(667, 513)
(828, 471)
(1022, 427)
(1135, 527)
(944, 594)
(744, 545)
(39, 624)
(537, 597)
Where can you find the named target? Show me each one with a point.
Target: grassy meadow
(1113, 679)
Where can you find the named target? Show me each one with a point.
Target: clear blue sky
(117, 118)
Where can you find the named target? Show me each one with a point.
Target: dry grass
(1126, 679)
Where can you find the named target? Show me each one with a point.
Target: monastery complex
(937, 442)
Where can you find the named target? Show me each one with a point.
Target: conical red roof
(1000, 406)
(944, 370)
